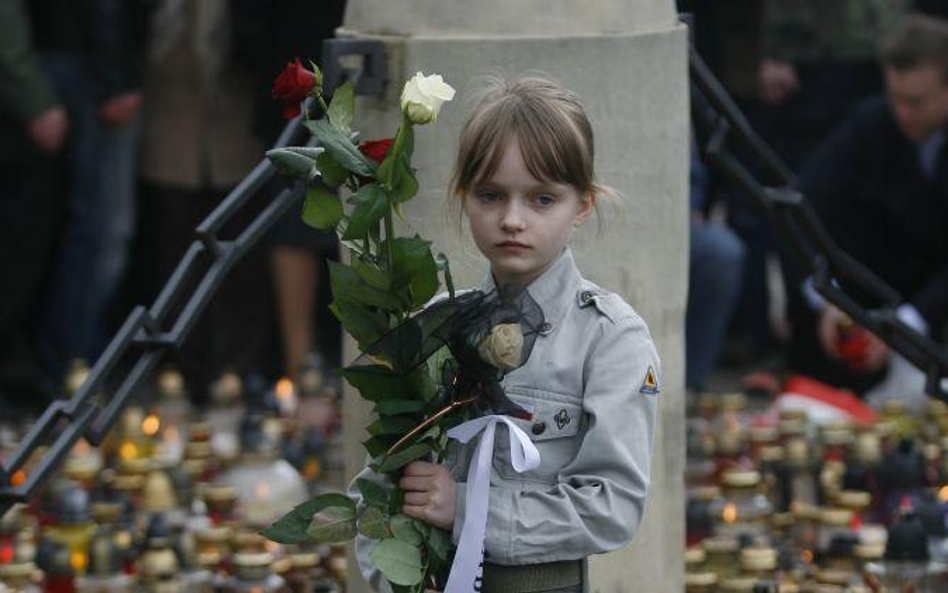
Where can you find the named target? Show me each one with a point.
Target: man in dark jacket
(880, 185)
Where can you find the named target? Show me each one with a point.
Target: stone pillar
(628, 62)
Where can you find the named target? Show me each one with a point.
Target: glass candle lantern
(746, 510)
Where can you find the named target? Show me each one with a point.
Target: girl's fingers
(417, 498)
(410, 483)
(414, 511)
(421, 468)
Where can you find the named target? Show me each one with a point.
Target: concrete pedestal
(628, 63)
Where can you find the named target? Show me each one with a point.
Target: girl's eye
(486, 195)
(544, 199)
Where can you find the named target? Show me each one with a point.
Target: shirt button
(538, 428)
(585, 297)
(545, 328)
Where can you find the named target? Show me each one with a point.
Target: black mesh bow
(460, 324)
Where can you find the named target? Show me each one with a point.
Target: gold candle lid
(869, 551)
(18, 570)
(135, 466)
(758, 559)
(853, 499)
(219, 493)
(158, 562)
(701, 579)
(720, 544)
(249, 541)
(833, 576)
(791, 427)
(170, 383)
(106, 512)
(695, 555)
(760, 434)
(736, 478)
(304, 560)
(198, 450)
(798, 451)
(803, 511)
(159, 494)
(771, 454)
(253, 559)
(836, 517)
(213, 535)
(743, 584)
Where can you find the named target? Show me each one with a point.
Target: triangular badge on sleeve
(650, 385)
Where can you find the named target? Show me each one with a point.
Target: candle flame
(81, 448)
(807, 556)
(262, 490)
(128, 450)
(729, 514)
(284, 389)
(18, 478)
(77, 560)
(943, 494)
(150, 425)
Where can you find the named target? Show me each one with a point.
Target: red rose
(292, 86)
(376, 149)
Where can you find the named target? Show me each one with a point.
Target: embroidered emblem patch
(562, 418)
(650, 385)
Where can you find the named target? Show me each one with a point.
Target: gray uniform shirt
(591, 383)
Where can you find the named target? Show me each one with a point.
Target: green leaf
(407, 185)
(439, 543)
(415, 266)
(290, 162)
(378, 445)
(377, 383)
(342, 150)
(373, 524)
(397, 425)
(371, 205)
(373, 494)
(322, 209)
(333, 173)
(399, 562)
(403, 528)
(402, 457)
(373, 275)
(334, 524)
(399, 406)
(364, 324)
(347, 285)
(292, 527)
(445, 266)
(341, 107)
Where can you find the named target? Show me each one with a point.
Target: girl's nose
(512, 219)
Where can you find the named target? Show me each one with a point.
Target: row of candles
(778, 502)
(174, 499)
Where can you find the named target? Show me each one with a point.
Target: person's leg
(68, 317)
(296, 275)
(717, 256)
(118, 201)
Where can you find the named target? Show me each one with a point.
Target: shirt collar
(553, 290)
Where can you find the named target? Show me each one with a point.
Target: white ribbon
(465, 572)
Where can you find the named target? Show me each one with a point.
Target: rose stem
(428, 421)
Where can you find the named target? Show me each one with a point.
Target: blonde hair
(549, 124)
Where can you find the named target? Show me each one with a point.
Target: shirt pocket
(554, 430)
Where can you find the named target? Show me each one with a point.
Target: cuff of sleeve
(459, 506)
(813, 298)
(911, 317)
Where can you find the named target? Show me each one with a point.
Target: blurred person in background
(880, 185)
(33, 128)
(198, 144)
(309, 334)
(86, 52)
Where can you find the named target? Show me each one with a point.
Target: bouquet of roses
(425, 368)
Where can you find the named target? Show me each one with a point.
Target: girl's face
(522, 224)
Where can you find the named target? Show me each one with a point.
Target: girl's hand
(430, 493)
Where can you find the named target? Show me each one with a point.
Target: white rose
(422, 98)
(502, 346)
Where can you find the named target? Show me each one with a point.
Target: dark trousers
(236, 329)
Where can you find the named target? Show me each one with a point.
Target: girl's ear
(587, 203)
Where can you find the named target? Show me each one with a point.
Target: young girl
(524, 178)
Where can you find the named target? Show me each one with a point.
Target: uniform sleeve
(365, 545)
(24, 91)
(597, 504)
